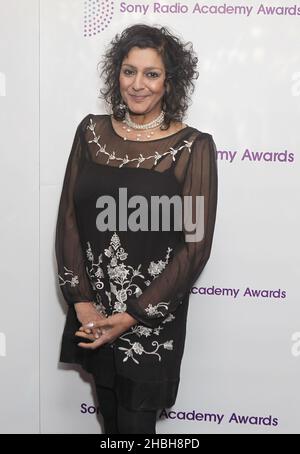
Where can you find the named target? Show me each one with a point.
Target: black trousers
(119, 420)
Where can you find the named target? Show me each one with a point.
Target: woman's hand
(87, 313)
(109, 329)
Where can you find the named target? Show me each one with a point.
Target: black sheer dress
(147, 273)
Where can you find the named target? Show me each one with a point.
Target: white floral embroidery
(94, 272)
(152, 311)
(140, 331)
(170, 318)
(74, 279)
(112, 156)
(138, 349)
(156, 268)
(122, 279)
(168, 345)
(99, 306)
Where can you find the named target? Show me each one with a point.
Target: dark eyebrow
(148, 68)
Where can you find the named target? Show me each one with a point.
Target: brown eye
(127, 72)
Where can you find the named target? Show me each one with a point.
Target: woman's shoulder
(197, 135)
(199, 141)
(198, 132)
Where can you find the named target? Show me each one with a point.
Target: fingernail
(89, 325)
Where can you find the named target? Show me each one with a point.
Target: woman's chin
(137, 109)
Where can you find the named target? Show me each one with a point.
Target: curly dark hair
(179, 60)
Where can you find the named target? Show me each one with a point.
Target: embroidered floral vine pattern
(99, 306)
(153, 311)
(123, 284)
(95, 271)
(112, 156)
(74, 279)
(136, 348)
(123, 278)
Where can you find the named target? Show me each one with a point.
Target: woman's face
(141, 81)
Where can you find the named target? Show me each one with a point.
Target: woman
(128, 287)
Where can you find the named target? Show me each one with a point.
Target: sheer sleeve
(72, 276)
(167, 291)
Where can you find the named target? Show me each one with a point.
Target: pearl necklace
(130, 125)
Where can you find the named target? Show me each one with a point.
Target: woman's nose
(138, 83)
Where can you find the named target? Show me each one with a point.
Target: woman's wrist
(83, 305)
(131, 321)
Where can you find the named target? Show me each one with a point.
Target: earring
(122, 106)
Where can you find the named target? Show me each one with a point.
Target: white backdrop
(242, 359)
